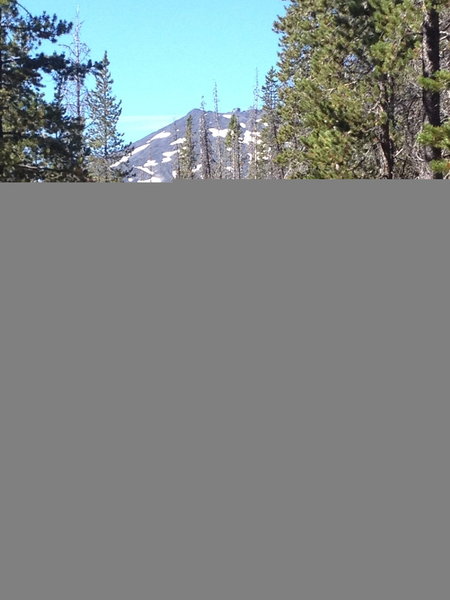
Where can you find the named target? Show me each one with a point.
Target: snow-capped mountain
(154, 157)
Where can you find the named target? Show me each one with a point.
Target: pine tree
(346, 70)
(38, 141)
(219, 170)
(187, 153)
(320, 108)
(435, 80)
(271, 146)
(254, 171)
(233, 142)
(177, 171)
(205, 145)
(108, 150)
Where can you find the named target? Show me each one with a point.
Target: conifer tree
(435, 81)
(108, 150)
(187, 153)
(205, 145)
(271, 146)
(219, 170)
(233, 142)
(38, 141)
(254, 171)
(346, 72)
(177, 170)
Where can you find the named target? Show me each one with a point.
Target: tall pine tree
(435, 81)
(108, 158)
(176, 173)
(205, 145)
(346, 70)
(38, 141)
(271, 146)
(254, 171)
(219, 170)
(188, 158)
(233, 143)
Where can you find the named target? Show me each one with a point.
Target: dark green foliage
(107, 162)
(205, 145)
(350, 103)
(271, 121)
(38, 141)
(233, 143)
(177, 170)
(435, 80)
(187, 159)
(219, 167)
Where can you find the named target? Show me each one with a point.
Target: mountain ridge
(153, 157)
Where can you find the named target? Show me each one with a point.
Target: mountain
(154, 157)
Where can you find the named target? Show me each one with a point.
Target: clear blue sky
(166, 55)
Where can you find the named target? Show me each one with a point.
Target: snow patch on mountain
(151, 163)
(161, 135)
(178, 141)
(218, 132)
(144, 169)
(251, 136)
(133, 153)
(168, 156)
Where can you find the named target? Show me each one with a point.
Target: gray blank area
(227, 398)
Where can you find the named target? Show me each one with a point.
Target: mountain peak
(154, 157)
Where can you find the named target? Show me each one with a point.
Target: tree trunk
(430, 66)
(1, 73)
(387, 143)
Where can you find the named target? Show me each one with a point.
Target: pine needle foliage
(187, 153)
(38, 140)
(107, 162)
(271, 122)
(233, 143)
(206, 153)
(348, 88)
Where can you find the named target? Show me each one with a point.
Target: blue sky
(166, 55)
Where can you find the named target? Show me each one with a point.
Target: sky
(166, 55)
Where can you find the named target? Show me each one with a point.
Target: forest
(359, 90)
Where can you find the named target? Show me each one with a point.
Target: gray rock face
(154, 157)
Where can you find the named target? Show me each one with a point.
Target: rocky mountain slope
(154, 157)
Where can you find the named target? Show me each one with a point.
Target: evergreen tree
(320, 108)
(205, 145)
(108, 150)
(233, 142)
(254, 171)
(219, 170)
(38, 141)
(187, 153)
(435, 81)
(346, 70)
(177, 171)
(271, 146)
